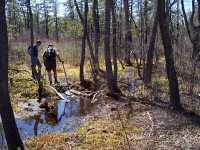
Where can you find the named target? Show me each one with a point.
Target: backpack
(50, 54)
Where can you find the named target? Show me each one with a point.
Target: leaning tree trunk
(112, 84)
(149, 64)
(168, 50)
(13, 139)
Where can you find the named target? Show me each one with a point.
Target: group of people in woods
(49, 57)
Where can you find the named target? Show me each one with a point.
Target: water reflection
(64, 117)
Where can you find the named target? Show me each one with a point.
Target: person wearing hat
(49, 58)
(35, 62)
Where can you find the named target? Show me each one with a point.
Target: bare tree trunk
(198, 2)
(146, 21)
(114, 28)
(13, 139)
(93, 62)
(178, 24)
(186, 20)
(30, 22)
(96, 30)
(82, 62)
(168, 49)
(193, 32)
(149, 64)
(38, 20)
(82, 79)
(14, 18)
(128, 35)
(46, 16)
(112, 84)
(56, 19)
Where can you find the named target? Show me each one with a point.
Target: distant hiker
(49, 58)
(35, 62)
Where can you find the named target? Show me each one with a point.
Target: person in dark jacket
(49, 58)
(35, 62)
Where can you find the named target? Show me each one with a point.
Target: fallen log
(62, 96)
(75, 92)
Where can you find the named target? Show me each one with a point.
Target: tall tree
(128, 33)
(82, 79)
(46, 16)
(112, 83)
(168, 51)
(194, 35)
(92, 62)
(13, 139)
(30, 22)
(96, 30)
(37, 19)
(114, 43)
(149, 63)
(56, 19)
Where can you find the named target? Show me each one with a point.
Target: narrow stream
(65, 117)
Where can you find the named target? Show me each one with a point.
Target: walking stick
(65, 72)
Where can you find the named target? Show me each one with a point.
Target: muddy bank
(62, 116)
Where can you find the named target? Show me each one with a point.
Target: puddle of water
(65, 117)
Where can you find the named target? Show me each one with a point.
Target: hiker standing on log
(35, 62)
(49, 58)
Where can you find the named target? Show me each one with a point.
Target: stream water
(65, 117)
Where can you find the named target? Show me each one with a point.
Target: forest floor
(140, 121)
(113, 125)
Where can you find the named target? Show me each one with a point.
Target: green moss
(21, 83)
(105, 132)
(102, 133)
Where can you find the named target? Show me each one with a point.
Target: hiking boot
(56, 82)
